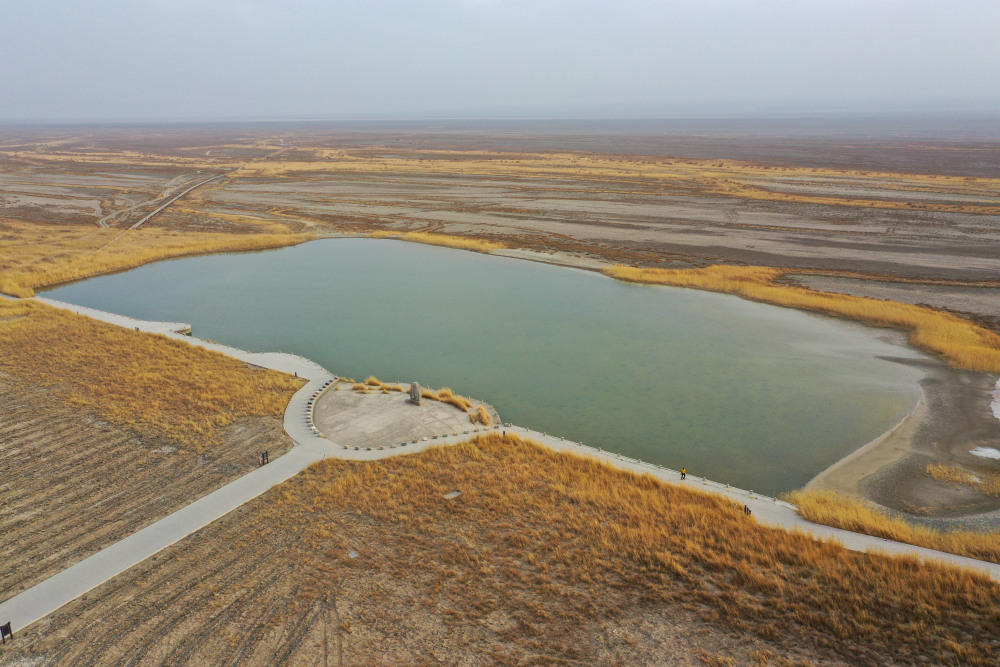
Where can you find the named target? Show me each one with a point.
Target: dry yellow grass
(446, 240)
(555, 539)
(988, 483)
(34, 255)
(373, 381)
(161, 386)
(544, 559)
(481, 416)
(833, 509)
(960, 342)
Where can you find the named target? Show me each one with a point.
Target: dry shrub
(833, 509)
(960, 342)
(145, 381)
(559, 540)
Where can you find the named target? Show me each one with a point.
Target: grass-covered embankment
(160, 386)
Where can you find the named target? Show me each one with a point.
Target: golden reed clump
(446, 240)
(960, 342)
(35, 256)
(984, 482)
(850, 513)
(152, 383)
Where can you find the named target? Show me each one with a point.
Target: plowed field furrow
(245, 573)
(129, 629)
(205, 633)
(85, 478)
(299, 628)
(77, 484)
(257, 628)
(180, 603)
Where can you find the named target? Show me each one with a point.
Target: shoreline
(310, 446)
(845, 475)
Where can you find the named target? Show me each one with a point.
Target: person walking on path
(684, 472)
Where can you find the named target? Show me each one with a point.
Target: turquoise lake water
(757, 396)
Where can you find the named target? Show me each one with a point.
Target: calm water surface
(757, 396)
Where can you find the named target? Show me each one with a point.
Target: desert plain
(911, 217)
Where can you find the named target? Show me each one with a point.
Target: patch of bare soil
(73, 485)
(958, 419)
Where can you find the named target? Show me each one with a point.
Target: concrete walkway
(48, 596)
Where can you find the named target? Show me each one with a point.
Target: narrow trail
(46, 597)
(154, 212)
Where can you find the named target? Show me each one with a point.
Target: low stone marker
(415, 394)
(452, 495)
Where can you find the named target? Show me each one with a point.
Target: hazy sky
(262, 59)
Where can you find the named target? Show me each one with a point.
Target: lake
(757, 396)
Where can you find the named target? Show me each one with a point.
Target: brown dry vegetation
(960, 342)
(153, 383)
(446, 240)
(545, 558)
(988, 483)
(34, 256)
(854, 514)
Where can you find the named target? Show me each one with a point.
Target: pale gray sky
(269, 59)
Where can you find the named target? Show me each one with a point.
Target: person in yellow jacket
(684, 472)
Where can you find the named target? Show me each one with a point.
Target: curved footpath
(38, 601)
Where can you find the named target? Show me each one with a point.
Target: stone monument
(415, 393)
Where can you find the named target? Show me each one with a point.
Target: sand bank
(845, 475)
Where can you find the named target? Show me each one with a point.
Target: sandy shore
(953, 417)
(845, 475)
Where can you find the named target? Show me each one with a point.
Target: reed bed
(556, 539)
(984, 482)
(958, 341)
(446, 240)
(833, 509)
(35, 256)
(151, 383)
